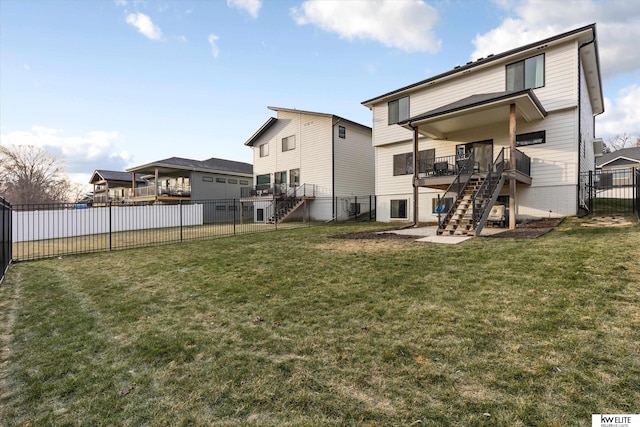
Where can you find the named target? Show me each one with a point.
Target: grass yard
(297, 328)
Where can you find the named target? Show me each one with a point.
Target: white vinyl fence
(61, 223)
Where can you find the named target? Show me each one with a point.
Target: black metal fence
(611, 192)
(5, 237)
(52, 230)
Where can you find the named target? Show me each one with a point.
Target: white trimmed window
(398, 110)
(399, 209)
(289, 143)
(526, 74)
(264, 150)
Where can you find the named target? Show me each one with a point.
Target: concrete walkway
(429, 234)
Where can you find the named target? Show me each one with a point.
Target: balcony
(154, 192)
(279, 191)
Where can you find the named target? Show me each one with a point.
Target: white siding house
(315, 158)
(454, 129)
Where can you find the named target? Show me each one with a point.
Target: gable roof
(591, 64)
(272, 120)
(108, 175)
(211, 165)
(632, 155)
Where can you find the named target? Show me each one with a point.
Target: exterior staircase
(285, 208)
(459, 220)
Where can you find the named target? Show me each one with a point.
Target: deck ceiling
(442, 124)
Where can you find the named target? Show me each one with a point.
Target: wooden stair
(459, 221)
(284, 208)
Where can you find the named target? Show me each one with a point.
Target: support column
(512, 166)
(416, 213)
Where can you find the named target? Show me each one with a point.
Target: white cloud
(144, 24)
(74, 149)
(122, 3)
(252, 7)
(617, 22)
(621, 115)
(214, 46)
(405, 25)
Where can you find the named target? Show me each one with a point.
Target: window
(447, 201)
(233, 208)
(221, 208)
(207, 178)
(263, 181)
(232, 181)
(244, 182)
(264, 150)
(398, 110)
(403, 164)
(342, 132)
(221, 180)
(294, 177)
(399, 209)
(289, 143)
(531, 138)
(526, 74)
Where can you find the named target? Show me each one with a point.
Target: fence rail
(52, 230)
(5, 237)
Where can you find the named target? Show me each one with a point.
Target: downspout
(592, 41)
(333, 169)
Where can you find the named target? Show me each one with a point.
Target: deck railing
(177, 190)
(266, 190)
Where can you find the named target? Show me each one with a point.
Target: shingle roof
(108, 175)
(629, 153)
(212, 164)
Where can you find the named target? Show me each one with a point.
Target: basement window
(399, 209)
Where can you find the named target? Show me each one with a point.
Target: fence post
(234, 217)
(181, 220)
(591, 192)
(110, 242)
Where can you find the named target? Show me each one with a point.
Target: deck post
(416, 192)
(512, 171)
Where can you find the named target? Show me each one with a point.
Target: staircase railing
(483, 198)
(456, 188)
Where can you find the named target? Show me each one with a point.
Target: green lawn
(296, 328)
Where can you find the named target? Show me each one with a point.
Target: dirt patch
(530, 229)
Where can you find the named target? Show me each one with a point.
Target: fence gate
(611, 192)
(5, 237)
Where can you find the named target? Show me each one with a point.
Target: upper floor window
(398, 110)
(342, 132)
(289, 143)
(526, 74)
(264, 150)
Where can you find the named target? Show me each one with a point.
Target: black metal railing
(456, 188)
(482, 196)
(523, 162)
(51, 230)
(277, 190)
(441, 166)
(610, 192)
(5, 237)
(176, 190)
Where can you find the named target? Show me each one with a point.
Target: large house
(177, 179)
(312, 165)
(513, 128)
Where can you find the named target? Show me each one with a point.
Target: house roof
(632, 155)
(212, 165)
(272, 120)
(592, 63)
(475, 110)
(107, 175)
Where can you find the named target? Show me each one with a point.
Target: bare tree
(29, 174)
(620, 141)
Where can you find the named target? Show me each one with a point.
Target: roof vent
(456, 67)
(490, 55)
(470, 62)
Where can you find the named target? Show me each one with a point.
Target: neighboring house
(311, 162)
(617, 168)
(112, 186)
(514, 128)
(176, 179)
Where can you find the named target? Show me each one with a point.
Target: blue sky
(112, 84)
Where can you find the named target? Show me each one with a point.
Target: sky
(111, 84)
